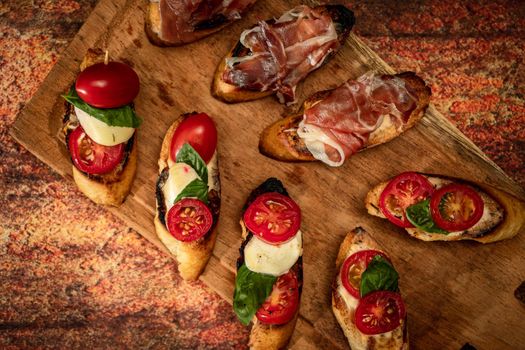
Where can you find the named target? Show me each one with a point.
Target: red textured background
(72, 275)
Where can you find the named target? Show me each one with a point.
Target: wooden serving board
(455, 292)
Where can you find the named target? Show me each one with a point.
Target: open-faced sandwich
(188, 192)
(365, 296)
(442, 208)
(335, 124)
(99, 127)
(178, 22)
(269, 270)
(275, 55)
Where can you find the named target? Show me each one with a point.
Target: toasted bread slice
(192, 257)
(281, 142)
(355, 241)
(504, 217)
(344, 21)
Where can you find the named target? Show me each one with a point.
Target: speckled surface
(74, 276)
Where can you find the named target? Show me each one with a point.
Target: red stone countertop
(74, 276)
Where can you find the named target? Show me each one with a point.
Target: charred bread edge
(343, 19)
(513, 220)
(288, 146)
(192, 257)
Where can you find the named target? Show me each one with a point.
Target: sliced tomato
(456, 207)
(281, 305)
(353, 268)
(189, 219)
(379, 312)
(273, 217)
(400, 193)
(199, 131)
(90, 157)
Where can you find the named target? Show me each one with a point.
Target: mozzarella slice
(270, 259)
(102, 133)
(180, 175)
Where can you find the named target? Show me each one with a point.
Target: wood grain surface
(455, 292)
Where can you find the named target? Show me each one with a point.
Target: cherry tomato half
(90, 157)
(456, 207)
(282, 303)
(199, 131)
(274, 217)
(189, 219)
(108, 85)
(400, 193)
(379, 312)
(353, 268)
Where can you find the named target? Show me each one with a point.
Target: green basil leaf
(195, 189)
(379, 275)
(419, 215)
(122, 116)
(251, 290)
(188, 155)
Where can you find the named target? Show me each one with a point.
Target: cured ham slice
(340, 124)
(283, 52)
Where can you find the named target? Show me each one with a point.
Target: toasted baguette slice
(504, 217)
(344, 21)
(192, 257)
(281, 142)
(355, 241)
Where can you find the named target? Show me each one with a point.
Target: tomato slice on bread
(281, 305)
(354, 266)
(91, 157)
(189, 219)
(379, 312)
(401, 192)
(273, 217)
(200, 132)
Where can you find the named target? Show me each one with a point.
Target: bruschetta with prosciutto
(335, 124)
(365, 296)
(442, 208)
(99, 127)
(273, 56)
(269, 270)
(188, 192)
(179, 22)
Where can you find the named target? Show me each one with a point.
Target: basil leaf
(122, 116)
(188, 155)
(419, 215)
(195, 189)
(251, 290)
(379, 275)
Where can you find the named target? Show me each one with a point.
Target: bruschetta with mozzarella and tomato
(365, 296)
(335, 124)
(179, 22)
(269, 270)
(188, 192)
(442, 208)
(99, 128)
(275, 55)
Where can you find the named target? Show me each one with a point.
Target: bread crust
(512, 223)
(280, 140)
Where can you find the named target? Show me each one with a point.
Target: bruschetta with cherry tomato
(442, 208)
(188, 192)
(365, 296)
(269, 270)
(99, 126)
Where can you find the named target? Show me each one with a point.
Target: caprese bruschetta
(178, 22)
(365, 296)
(442, 208)
(335, 124)
(269, 270)
(188, 192)
(275, 55)
(99, 128)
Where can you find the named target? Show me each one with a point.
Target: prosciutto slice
(180, 18)
(283, 53)
(339, 125)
